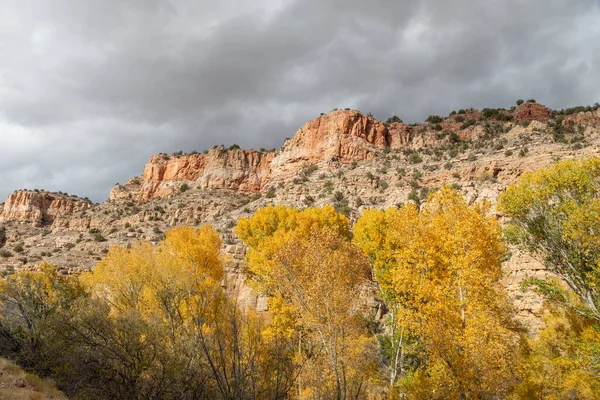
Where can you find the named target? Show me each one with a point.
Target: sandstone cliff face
(240, 170)
(128, 190)
(341, 136)
(400, 135)
(39, 208)
(532, 112)
(585, 119)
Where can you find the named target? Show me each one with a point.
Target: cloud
(89, 90)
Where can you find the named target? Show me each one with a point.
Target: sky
(89, 90)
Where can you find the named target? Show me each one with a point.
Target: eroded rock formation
(39, 207)
(532, 112)
(235, 169)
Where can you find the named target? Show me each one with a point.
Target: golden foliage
(563, 362)
(306, 258)
(439, 269)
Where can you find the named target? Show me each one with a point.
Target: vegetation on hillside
(154, 321)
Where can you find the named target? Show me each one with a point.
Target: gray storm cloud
(89, 90)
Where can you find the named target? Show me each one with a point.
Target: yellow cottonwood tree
(172, 294)
(306, 258)
(439, 269)
(563, 361)
(270, 227)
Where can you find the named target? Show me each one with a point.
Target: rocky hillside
(344, 158)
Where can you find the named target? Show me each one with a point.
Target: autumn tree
(373, 234)
(439, 270)
(306, 259)
(28, 300)
(150, 321)
(554, 214)
(196, 342)
(563, 361)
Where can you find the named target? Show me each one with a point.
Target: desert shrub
(434, 119)
(5, 253)
(415, 158)
(309, 200)
(468, 124)
(393, 119)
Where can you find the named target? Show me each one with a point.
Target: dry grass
(16, 384)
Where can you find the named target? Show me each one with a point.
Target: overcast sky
(89, 90)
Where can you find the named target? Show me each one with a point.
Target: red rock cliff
(532, 112)
(239, 170)
(39, 207)
(343, 135)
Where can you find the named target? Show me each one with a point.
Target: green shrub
(415, 158)
(393, 119)
(453, 137)
(487, 113)
(434, 119)
(309, 200)
(414, 197)
(5, 253)
(468, 124)
(309, 170)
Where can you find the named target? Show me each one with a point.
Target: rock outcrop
(240, 170)
(340, 136)
(585, 119)
(39, 207)
(532, 112)
(400, 135)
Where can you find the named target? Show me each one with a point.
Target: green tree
(554, 214)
